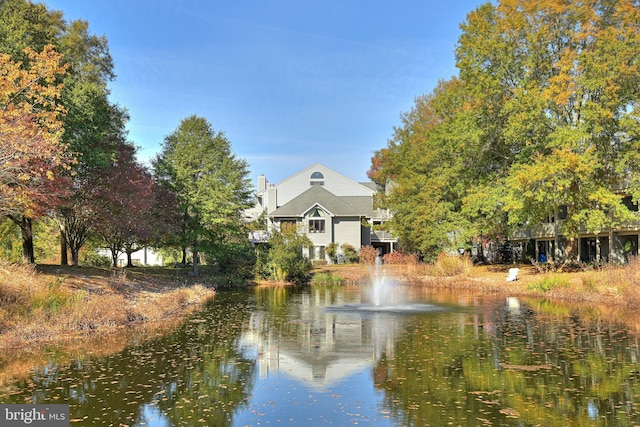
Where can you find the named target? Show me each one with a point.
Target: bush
(448, 265)
(92, 259)
(368, 255)
(285, 258)
(399, 257)
(332, 251)
(350, 253)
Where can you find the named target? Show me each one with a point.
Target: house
(142, 257)
(615, 244)
(326, 206)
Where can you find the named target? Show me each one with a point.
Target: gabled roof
(336, 206)
(318, 166)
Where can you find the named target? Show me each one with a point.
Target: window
(631, 204)
(316, 221)
(317, 178)
(316, 225)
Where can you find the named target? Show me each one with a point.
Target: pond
(287, 356)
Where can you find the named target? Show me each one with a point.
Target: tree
(556, 84)
(93, 127)
(134, 211)
(94, 130)
(285, 257)
(430, 165)
(543, 118)
(32, 155)
(211, 185)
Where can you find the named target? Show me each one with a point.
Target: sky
(289, 82)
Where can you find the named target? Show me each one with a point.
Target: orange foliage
(31, 153)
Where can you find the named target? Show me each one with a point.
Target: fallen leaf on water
(510, 412)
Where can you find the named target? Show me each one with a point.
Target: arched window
(317, 178)
(316, 220)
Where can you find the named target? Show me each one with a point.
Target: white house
(325, 205)
(145, 256)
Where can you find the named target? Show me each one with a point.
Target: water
(280, 357)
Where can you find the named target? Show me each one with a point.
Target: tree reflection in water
(276, 356)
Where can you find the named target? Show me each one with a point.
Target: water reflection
(276, 356)
(317, 347)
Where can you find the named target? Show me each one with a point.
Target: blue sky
(289, 82)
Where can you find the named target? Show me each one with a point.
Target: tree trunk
(75, 257)
(129, 263)
(184, 255)
(63, 248)
(26, 230)
(195, 260)
(571, 250)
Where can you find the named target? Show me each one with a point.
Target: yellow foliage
(30, 129)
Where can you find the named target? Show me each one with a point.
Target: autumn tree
(541, 121)
(32, 155)
(427, 167)
(556, 84)
(211, 185)
(129, 216)
(93, 126)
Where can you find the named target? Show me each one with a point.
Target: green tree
(211, 185)
(430, 164)
(556, 84)
(285, 255)
(94, 131)
(543, 118)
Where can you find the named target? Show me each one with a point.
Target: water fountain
(384, 295)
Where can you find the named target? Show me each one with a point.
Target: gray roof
(370, 185)
(318, 195)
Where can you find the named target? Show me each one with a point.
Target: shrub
(399, 257)
(285, 258)
(368, 255)
(448, 265)
(92, 259)
(332, 250)
(350, 253)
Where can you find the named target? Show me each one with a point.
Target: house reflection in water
(318, 348)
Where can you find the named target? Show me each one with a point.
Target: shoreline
(101, 301)
(48, 304)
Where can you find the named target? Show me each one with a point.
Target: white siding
(347, 230)
(337, 184)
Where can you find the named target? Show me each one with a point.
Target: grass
(448, 265)
(615, 286)
(549, 282)
(326, 278)
(36, 306)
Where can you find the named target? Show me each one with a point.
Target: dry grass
(450, 265)
(42, 306)
(609, 285)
